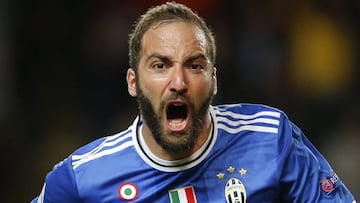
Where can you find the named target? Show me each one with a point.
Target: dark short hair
(169, 11)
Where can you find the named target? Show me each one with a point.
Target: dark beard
(186, 140)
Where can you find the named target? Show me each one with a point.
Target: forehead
(174, 35)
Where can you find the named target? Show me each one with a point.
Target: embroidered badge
(330, 183)
(220, 175)
(182, 195)
(235, 191)
(128, 191)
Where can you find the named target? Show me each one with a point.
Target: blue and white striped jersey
(253, 154)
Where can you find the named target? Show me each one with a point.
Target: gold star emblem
(220, 175)
(243, 172)
(231, 169)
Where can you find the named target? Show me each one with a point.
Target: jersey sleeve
(306, 176)
(59, 186)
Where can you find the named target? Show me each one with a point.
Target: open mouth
(176, 114)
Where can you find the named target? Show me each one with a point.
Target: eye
(196, 66)
(159, 65)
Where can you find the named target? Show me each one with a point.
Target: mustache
(176, 96)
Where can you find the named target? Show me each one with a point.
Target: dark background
(63, 66)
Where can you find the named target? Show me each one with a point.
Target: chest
(222, 178)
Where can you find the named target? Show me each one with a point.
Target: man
(181, 148)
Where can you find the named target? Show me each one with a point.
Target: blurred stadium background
(63, 66)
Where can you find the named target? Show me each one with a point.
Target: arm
(306, 175)
(59, 186)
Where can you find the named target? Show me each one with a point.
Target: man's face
(175, 84)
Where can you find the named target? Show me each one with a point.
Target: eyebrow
(195, 57)
(158, 56)
(168, 60)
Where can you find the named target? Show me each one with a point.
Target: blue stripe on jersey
(110, 145)
(263, 121)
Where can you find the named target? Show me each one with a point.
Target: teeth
(176, 123)
(177, 104)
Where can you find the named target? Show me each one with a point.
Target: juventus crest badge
(235, 191)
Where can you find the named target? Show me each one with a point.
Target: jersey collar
(177, 165)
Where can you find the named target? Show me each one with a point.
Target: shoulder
(256, 122)
(247, 109)
(102, 147)
(107, 141)
(249, 116)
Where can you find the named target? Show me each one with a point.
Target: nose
(178, 81)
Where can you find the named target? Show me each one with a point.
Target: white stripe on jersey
(41, 196)
(235, 123)
(249, 116)
(249, 128)
(109, 141)
(124, 145)
(101, 150)
(246, 122)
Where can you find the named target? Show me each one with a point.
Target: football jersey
(254, 153)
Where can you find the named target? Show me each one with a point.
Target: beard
(185, 140)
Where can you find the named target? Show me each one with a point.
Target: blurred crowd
(63, 67)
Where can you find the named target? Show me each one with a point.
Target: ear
(131, 81)
(214, 81)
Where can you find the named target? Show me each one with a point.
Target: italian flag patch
(183, 195)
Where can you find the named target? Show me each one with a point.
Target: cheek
(202, 89)
(153, 86)
(152, 89)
